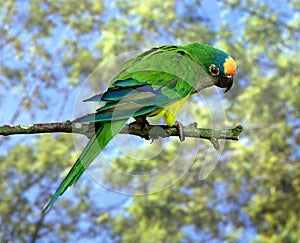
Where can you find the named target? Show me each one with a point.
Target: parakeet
(154, 83)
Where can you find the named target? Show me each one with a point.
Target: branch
(151, 131)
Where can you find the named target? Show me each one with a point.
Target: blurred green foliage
(49, 47)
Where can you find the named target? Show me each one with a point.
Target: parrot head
(220, 67)
(225, 80)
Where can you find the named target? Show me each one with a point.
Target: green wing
(152, 80)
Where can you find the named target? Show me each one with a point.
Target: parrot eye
(214, 70)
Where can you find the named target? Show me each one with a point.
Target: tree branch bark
(148, 132)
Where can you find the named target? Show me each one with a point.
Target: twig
(151, 131)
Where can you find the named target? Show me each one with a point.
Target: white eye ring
(214, 70)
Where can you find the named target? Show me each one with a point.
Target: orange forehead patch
(229, 66)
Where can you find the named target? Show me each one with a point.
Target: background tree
(48, 49)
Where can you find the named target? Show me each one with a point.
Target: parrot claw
(178, 125)
(140, 123)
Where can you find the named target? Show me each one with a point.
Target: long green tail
(96, 144)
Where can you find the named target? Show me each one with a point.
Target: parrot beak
(225, 82)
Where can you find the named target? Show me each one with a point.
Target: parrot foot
(178, 125)
(140, 123)
(147, 131)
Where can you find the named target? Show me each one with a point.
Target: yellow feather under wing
(169, 112)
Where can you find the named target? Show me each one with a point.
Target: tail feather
(96, 144)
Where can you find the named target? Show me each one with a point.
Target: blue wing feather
(130, 98)
(115, 92)
(130, 82)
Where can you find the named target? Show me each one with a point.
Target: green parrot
(154, 83)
